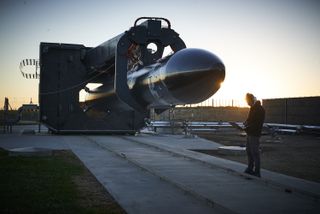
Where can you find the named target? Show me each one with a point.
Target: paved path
(219, 187)
(158, 174)
(136, 190)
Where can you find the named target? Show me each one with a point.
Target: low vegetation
(52, 184)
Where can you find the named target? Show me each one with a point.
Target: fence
(299, 111)
(203, 113)
(218, 103)
(16, 102)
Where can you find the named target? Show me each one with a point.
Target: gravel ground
(294, 155)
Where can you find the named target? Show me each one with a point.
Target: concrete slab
(214, 184)
(284, 182)
(28, 129)
(30, 151)
(232, 150)
(159, 174)
(135, 189)
(11, 141)
(179, 141)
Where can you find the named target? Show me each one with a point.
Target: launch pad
(161, 173)
(133, 78)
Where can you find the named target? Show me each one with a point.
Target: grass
(50, 185)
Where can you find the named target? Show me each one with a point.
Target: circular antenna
(29, 68)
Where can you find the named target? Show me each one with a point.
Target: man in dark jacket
(253, 126)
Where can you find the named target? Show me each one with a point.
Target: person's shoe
(249, 171)
(257, 174)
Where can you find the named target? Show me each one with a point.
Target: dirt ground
(294, 155)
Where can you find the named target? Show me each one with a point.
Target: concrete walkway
(135, 189)
(158, 174)
(282, 181)
(210, 183)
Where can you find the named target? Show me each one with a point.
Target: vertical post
(39, 123)
(286, 111)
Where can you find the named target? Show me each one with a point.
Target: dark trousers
(253, 153)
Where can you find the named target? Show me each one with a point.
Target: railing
(268, 128)
(16, 102)
(218, 103)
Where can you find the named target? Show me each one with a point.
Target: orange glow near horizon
(269, 48)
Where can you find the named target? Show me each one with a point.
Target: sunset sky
(270, 48)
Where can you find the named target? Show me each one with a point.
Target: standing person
(253, 126)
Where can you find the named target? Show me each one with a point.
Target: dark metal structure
(133, 79)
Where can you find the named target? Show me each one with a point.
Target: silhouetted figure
(6, 104)
(253, 126)
(7, 125)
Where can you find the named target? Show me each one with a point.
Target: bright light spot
(167, 51)
(152, 47)
(83, 93)
(92, 86)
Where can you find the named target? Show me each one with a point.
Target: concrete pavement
(159, 174)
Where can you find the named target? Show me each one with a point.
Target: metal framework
(133, 79)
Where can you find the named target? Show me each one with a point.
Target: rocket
(133, 78)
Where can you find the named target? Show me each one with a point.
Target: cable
(75, 86)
